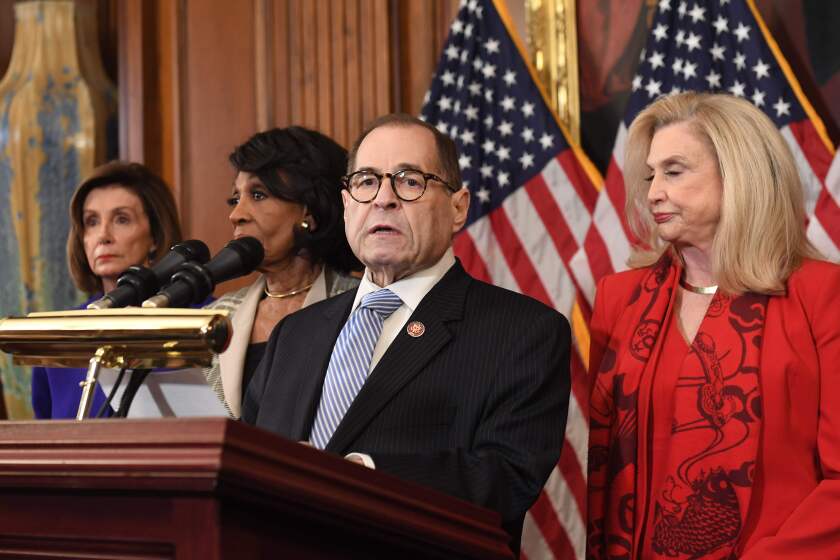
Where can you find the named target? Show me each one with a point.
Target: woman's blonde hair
(760, 239)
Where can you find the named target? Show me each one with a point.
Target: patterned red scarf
(706, 451)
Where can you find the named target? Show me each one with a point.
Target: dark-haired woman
(286, 193)
(121, 215)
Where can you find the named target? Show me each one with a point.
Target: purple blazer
(56, 392)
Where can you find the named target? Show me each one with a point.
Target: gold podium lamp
(121, 338)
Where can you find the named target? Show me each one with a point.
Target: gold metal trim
(552, 41)
(135, 337)
(104, 357)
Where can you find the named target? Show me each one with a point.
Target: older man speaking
(423, 372)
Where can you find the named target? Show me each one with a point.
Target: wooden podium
(212, 489)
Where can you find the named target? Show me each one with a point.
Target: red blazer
(795, 504)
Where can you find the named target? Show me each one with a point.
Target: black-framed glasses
(408, 184)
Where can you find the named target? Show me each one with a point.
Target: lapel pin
(415, 329)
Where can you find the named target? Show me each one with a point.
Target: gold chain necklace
(287, 294)
(702, 290)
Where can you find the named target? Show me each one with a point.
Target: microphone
(192, 283)
(138, 282)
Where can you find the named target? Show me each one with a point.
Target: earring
(305, 225)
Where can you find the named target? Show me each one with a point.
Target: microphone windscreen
(250, 250)
(194, 250)
(190, 250)
(238, 258)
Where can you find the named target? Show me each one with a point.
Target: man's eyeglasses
(408, 184)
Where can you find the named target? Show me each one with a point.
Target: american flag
(533, 197)
(723, 46)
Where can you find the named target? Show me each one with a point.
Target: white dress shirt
(411, 290)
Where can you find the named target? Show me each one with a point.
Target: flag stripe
(487, 247)
(538, 548)
(552, 218)
(832, 179)
(614, 188)
(577, 418)
(822, 241)
(530, 230)
(576, 214)
(565, 508)
(465, 248)
(598, 256)
(554, 535)
(609, 227)
(811, 183)
(575, 179)
(570, 466)
(517, 259)
(807, 141)
(828, 214)
(579, 265)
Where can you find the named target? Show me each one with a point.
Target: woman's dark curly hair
(305, 167)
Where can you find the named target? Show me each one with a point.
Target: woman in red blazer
(715, 361)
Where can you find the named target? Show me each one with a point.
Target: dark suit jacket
(475, 407)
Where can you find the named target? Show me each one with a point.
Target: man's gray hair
(447, 152)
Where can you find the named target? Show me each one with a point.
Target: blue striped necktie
(350, 362)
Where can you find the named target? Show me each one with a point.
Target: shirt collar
(413, 288)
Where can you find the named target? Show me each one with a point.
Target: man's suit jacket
(225, 373)
(475, 407)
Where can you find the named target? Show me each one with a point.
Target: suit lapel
(406, 357)
(322, 333)
(232, 361)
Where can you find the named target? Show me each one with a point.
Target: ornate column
(55, 105)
